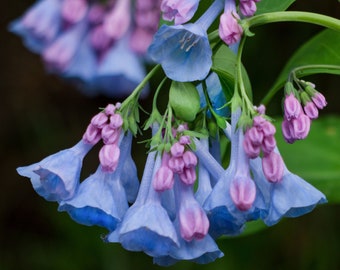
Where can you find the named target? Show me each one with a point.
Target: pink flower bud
(110, 135)
(92, 134)
(190, 159)
(258, 121)
(176, 164)
(292, 107)
(230, 31)
(184, 140)
(243, 192)
(96, 14)
(99, 40)
(188, 176)
(164, 179)
(110, 109)
(109, 157)
(311, 110)
(247, 7)
(300, 127)
(319, 100)
(73, 10)
(254, 135)
(268, 144)
(194, 223)
(252, 151)
(268, 129)
(287, 131)
(116, 121)
(99, 120)
(273, 167)
(177, 149)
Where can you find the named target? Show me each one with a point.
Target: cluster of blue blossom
(186, 199)
(99, 45)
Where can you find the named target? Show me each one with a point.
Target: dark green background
(40, 114)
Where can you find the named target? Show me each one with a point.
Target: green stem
(136, 92)
(292, 16)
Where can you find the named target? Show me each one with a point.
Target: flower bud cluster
(181, 161)
(297, 119)
(261, 137)
(106, 126)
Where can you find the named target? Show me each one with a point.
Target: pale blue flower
(146, 225)
(56, 177)
(101, 199)
(40, 25)
(184, 50)
(120, 70)
(290, 197)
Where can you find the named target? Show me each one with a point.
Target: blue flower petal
(56, 177)
(183, 51)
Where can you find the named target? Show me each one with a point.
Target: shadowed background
(40, 114)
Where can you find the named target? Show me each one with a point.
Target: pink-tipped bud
(190, 159)
(109, 157)
(92, 134)
(252, 151)
(300, 127)
(116, 121)
(254, 135)
(188, 176)
(99, 40)
(73, 10)
(268, 144)
(247, 7)
(229, 30)
(258, 121)
(176, 164)
(99, 120)
(194, 223)
(273, 167)
(110, 109)
(110, 135)
(311, 110)
(292, 107)
(163, 180)
(96, 13)
(287, 131)
(268, 129)
(177, 149)
(243, 193)
(185, 140)
(319, 100)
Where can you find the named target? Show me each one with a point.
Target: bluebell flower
(101, 198)
(120, 70)
(146, 225)
(184, 50)
(290, 197)
(200, 251)
(56, 177)
(40, 25)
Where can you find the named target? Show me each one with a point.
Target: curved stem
(292, 16)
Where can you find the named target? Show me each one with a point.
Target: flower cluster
(297, 119)
(98, 45)
(188, 195)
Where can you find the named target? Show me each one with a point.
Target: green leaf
(317, 158)
(265, 6)
(323, 49)
(184, 100)
(224, 63)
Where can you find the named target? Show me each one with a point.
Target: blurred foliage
(41, 114)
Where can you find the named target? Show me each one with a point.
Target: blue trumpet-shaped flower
(39, 25)
(56, 177)
(184, 50)
(101, 199)
(290, 197)
(146, 225)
